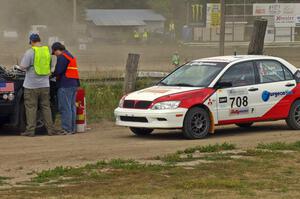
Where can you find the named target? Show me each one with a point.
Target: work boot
(28, 134)
(55, 132)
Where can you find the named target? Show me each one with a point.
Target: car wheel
(245, 125)
(141, 131)
(196, 123)
(293, 121)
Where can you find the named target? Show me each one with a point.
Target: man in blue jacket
(67, 77)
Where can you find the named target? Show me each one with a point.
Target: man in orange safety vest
(67, 79)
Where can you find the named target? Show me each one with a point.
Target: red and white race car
(195, 97)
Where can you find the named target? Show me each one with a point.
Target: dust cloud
(51, 18)
(18, 16)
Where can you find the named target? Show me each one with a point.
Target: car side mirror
(297, 76)
(220, 85)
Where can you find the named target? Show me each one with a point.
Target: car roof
(234, 58)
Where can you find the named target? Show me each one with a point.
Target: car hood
(152, 93)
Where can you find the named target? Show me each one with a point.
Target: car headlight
(121, 103)
(166, 105)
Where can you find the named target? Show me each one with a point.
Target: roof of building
(122, 17)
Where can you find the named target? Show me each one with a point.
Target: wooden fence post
(131, 73)
(256, 46)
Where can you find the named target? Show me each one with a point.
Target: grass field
(214, 171)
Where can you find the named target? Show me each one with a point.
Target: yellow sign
(215, 19)
(215, 14)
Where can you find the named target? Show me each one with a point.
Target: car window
(272, 71)
(288, 75)
(198, 74)
(241, 74)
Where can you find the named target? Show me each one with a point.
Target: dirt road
(20, 155)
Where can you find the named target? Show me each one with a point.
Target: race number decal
(239, 101)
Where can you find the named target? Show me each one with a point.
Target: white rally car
(195, 97)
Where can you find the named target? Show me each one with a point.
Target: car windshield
(197, 74)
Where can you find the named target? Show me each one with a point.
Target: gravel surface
(22, 155)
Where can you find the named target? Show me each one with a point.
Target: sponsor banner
(197, 12)
(285, 21)
(272, 9)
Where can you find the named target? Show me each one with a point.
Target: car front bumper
(156, 119)
(7, 108)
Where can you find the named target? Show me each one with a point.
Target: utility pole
(74, 12)
(222, 28)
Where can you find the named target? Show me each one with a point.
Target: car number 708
(239, 101)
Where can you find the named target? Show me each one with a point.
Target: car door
(239, 100)
(276, 84)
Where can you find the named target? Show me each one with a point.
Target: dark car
(12, 110)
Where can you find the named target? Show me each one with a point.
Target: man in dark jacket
(67, 78)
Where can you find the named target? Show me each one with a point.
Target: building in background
(119, 24)
(283, 20)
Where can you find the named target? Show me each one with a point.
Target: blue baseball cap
(34, 38)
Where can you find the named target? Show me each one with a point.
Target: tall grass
(103, 97)
(102, 100)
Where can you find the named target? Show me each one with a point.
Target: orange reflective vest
(72, 69)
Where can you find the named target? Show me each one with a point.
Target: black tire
(293, 120)
(245, 125)
(196, 123)
(141, 131)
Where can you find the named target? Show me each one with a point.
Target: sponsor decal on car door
(236, 103)
(276, 82)
(240, 99)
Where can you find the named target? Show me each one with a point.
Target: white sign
(272, 9)
(285, 21)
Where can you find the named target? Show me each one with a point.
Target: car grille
(136, 104)
(133, 119)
